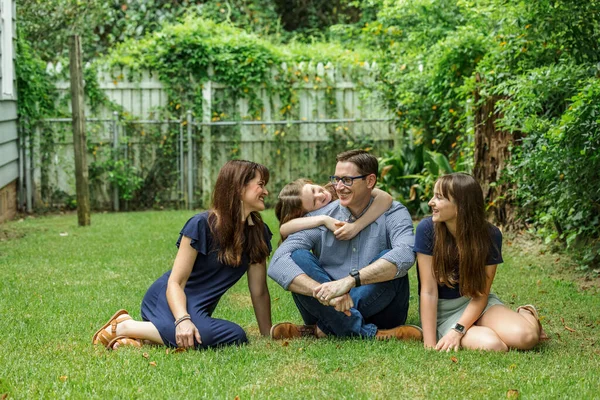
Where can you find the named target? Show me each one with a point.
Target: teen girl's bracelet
(180, 320)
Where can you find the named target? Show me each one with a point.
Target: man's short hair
(367, 164)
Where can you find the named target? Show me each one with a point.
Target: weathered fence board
(300, 141)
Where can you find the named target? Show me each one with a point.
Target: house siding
(9, 150)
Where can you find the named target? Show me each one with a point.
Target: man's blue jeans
(381, 305)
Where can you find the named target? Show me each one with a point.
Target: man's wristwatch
(356, 275)
(459, 328)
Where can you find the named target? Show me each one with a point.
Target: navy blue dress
(208, 281)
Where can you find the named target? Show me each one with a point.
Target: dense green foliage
(440, 61)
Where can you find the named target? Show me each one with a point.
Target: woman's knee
(484, 340)
(523, 336)
(224, 335)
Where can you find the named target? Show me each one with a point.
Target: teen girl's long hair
(289, 205)
(471, 245)
(233, 235)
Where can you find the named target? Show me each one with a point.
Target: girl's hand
(185, 333)
(331, 223)
(450, 341)
(345, 231)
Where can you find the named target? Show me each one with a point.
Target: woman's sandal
(123, 341)
(531, 308)
(103, 335)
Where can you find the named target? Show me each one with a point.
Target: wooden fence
(335, 110)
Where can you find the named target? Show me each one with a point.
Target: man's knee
(303, 257)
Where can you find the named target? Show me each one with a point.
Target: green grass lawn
(59, 283)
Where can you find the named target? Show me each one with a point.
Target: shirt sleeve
(282, 269)
(495, 254)
(424, 237)
(400, 232)
(197, 229)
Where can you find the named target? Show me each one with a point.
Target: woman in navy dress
(216, 248)
(457, 255)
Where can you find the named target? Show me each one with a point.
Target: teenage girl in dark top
(457, 255)
(216, 248)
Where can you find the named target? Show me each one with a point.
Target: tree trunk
(492, 155)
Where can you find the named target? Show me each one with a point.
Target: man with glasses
(357, 287)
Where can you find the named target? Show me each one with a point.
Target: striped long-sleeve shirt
(393, 230)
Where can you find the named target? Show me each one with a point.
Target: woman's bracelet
(180, 320)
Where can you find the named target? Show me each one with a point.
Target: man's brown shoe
(402, 332)
(287, 330)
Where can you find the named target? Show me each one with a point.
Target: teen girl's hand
(331, 223)
(346, 231)
(450, 341)
(185, 333)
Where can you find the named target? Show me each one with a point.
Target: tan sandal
(123, 341)
(103, 335)
(531, 308)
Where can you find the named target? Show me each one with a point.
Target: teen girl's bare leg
(517, 330)
(482, 338)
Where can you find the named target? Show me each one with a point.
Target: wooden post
(79, 142)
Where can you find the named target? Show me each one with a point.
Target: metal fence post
(190, 172)
(29, 187)
(181, 165)
(206, 143)
(115, 130)
(21, 190)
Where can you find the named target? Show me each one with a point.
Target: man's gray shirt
(393, 230)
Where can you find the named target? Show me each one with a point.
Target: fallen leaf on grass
(454, 359)
(236, 398)
(566, 327)
(301, 349)
(167, 351)
(145, 355)
(285, 343)
(63, 378)
(512, 366)
(512, 394)
(4, 396)
(152, 363)
(180, 350)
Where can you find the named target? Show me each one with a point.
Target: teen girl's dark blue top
(424, 239)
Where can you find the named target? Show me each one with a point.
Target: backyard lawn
(59, 283)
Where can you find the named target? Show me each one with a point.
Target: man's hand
(329, 290)
(342, 304)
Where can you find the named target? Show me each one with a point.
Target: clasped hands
(335, 294)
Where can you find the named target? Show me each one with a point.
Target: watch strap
(356, 275)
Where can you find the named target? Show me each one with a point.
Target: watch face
(459, 327)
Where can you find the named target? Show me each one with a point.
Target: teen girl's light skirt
(449, 311)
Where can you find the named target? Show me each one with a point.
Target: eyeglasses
(346, 180)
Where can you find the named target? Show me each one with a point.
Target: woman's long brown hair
(471, 245)
(233, 235)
